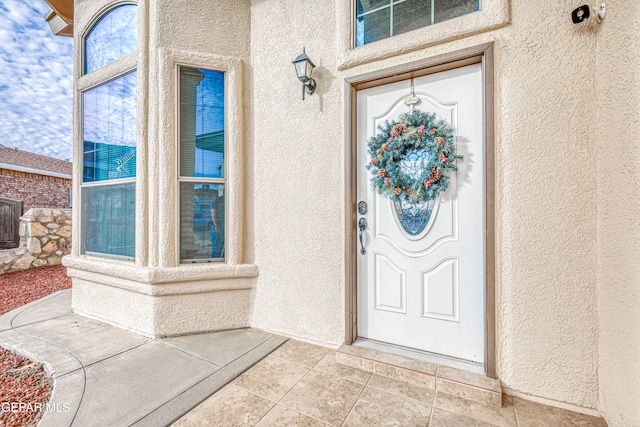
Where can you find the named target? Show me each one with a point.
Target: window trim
(493, 14)
(107, 182)
(169, 252)
(87, 81)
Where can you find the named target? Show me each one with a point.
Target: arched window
(115, 35)
(109, 130)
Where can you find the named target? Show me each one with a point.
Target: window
(114, 36)
(379, 19)
(109, 129)
(202, 180)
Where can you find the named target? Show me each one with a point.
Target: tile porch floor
(302, 385)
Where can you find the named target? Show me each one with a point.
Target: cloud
(36, 70)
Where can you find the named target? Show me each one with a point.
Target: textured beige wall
(299, 173)
(207, 34)
(618, 183)
(153, 296)
(558, 103)
(546, 197)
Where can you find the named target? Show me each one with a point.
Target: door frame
(482, 54)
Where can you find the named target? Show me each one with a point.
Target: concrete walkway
(105, 376)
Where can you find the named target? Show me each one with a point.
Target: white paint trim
(34, 171)
(551, 402)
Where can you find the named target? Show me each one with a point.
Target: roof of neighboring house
(24, 161)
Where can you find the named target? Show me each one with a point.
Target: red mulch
(25, 387)
(22, 287)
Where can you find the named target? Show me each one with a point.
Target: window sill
(494, 14)
(156, 281)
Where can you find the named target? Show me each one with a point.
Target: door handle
(362, 224)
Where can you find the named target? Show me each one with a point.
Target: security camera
(584, 13)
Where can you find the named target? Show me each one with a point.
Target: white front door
(424, 288)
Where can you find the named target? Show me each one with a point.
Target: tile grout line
(340, 376)
(266, 413)
(314, 368)
(303, 377)
(302, 413)
(293, 386)
(403, 396)
(435, 394)
(469, 415)
(515, 414)
(435, 376)
(279, 402)
(290, 361)
(433, 407)
(357, 399)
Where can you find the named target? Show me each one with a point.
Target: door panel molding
(484, 55)
(454, 295)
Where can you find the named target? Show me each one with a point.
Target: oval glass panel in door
(414, 217)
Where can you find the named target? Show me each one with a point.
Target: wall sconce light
(304, 68)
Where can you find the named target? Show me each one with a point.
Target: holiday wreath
(416, 137)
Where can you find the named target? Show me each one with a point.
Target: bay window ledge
(162, 301)
(159, 280)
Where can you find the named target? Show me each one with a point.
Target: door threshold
(438, 359)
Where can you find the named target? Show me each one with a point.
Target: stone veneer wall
(45, 237)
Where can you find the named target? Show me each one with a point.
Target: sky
(36, 85)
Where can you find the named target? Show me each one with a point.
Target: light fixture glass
(304, 68)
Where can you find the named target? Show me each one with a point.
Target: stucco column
(157, 295)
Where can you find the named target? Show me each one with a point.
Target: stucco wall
(153, 295)
(558, 103)
(298, 165)
(618, 157)
(546, 197)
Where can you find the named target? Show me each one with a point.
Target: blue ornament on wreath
(411, 159)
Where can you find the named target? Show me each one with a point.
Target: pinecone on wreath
(435, 175)
(382, 173)
(400, 128)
